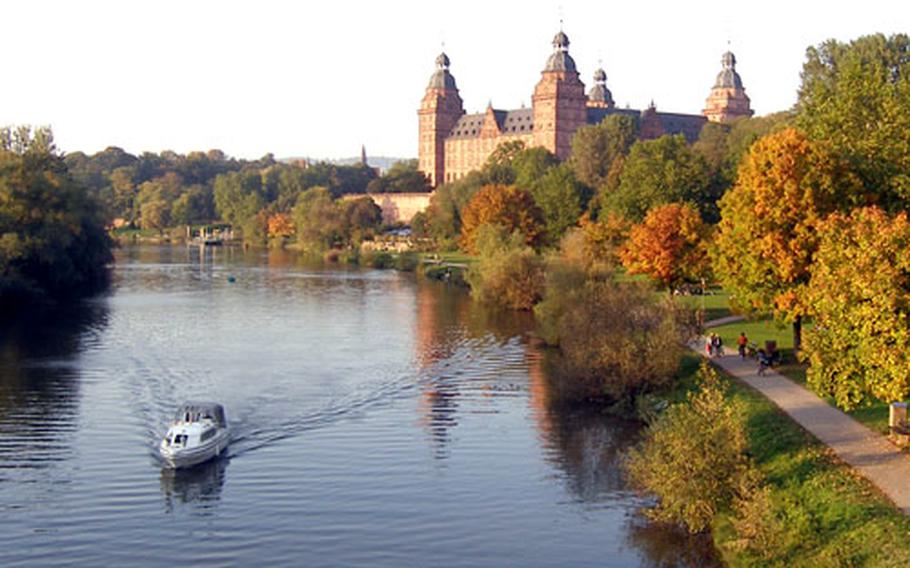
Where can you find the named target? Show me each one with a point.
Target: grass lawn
(874, 416)
(716, 303)
(455, 257)
(828, 516)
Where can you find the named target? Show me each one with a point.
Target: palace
(452, 143)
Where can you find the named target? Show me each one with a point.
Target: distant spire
(363, 154)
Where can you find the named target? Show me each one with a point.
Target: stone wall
(399, 207)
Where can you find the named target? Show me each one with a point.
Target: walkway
(869, 452)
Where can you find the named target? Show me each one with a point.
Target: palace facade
(453, 143)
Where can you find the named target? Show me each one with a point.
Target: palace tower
(728, 98)
(453, 143)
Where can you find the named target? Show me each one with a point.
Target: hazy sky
(321, 78)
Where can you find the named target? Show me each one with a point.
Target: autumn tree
(859, 298)
(280, 226)
(504, 205)
(768, 232)
(660, 171)
(670, 246)
(856, 96)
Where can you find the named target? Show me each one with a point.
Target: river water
(379, 420)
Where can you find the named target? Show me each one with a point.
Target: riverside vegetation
(776, 209)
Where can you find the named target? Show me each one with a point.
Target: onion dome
(600, 95)
(560, 60)
(442, 79)
(728, 78)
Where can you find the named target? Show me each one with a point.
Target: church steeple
(727, 99)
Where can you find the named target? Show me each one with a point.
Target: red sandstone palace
(453, 143)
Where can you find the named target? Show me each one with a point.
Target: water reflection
(200, 485)
(40, 381)
(669, 547)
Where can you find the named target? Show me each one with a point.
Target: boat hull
(188, 457)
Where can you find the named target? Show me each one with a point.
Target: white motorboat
(198, 433)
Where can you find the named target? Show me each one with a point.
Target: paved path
(869, 452)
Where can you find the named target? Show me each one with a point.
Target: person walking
(742, 341)
(717, 345)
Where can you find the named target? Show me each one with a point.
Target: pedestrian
(717, 345)
(742, 341)
(763, 362)
(709, 345)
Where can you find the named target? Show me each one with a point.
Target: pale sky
(321, 78)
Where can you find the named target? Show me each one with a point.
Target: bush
(508, 273)
(406, 261)
(617, 339)
(694, 457)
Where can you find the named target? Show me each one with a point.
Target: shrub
(508, 273)
(617, 339)
(406, 261)
(694, 457)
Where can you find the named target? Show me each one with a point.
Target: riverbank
(820, 512)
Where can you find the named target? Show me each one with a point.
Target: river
(379, 420)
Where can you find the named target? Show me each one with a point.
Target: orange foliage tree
(505, 205)
(669, 246)
(768, 232)
(280, 226)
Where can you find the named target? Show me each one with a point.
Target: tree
(508, 273)
(280, 226)
(443, 215)
(239, 196)
(318, 219)
(402, 177)
(503, 205)
(670, 246)
(859, 298)
(768, 232)
(596, 147)
(664, 170)
(498, 169)
(616, 339)
(52, 237)
(694, 457)
(561, 199)
(531, 165)
(856, 97)
(361, 217)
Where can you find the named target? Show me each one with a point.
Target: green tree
(531, 165)
(694, 457)
(856, 97)
(768, 232)
(660, 171)
(561, 199)
(318, 219)
(508, 273)
(239, 196)
(402, 177)
(361, 218)
(859, 298)
(52, 237)
(596, 148)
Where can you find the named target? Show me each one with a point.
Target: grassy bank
(874, 416)
(823, 513)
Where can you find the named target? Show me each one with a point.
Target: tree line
(800, 214)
